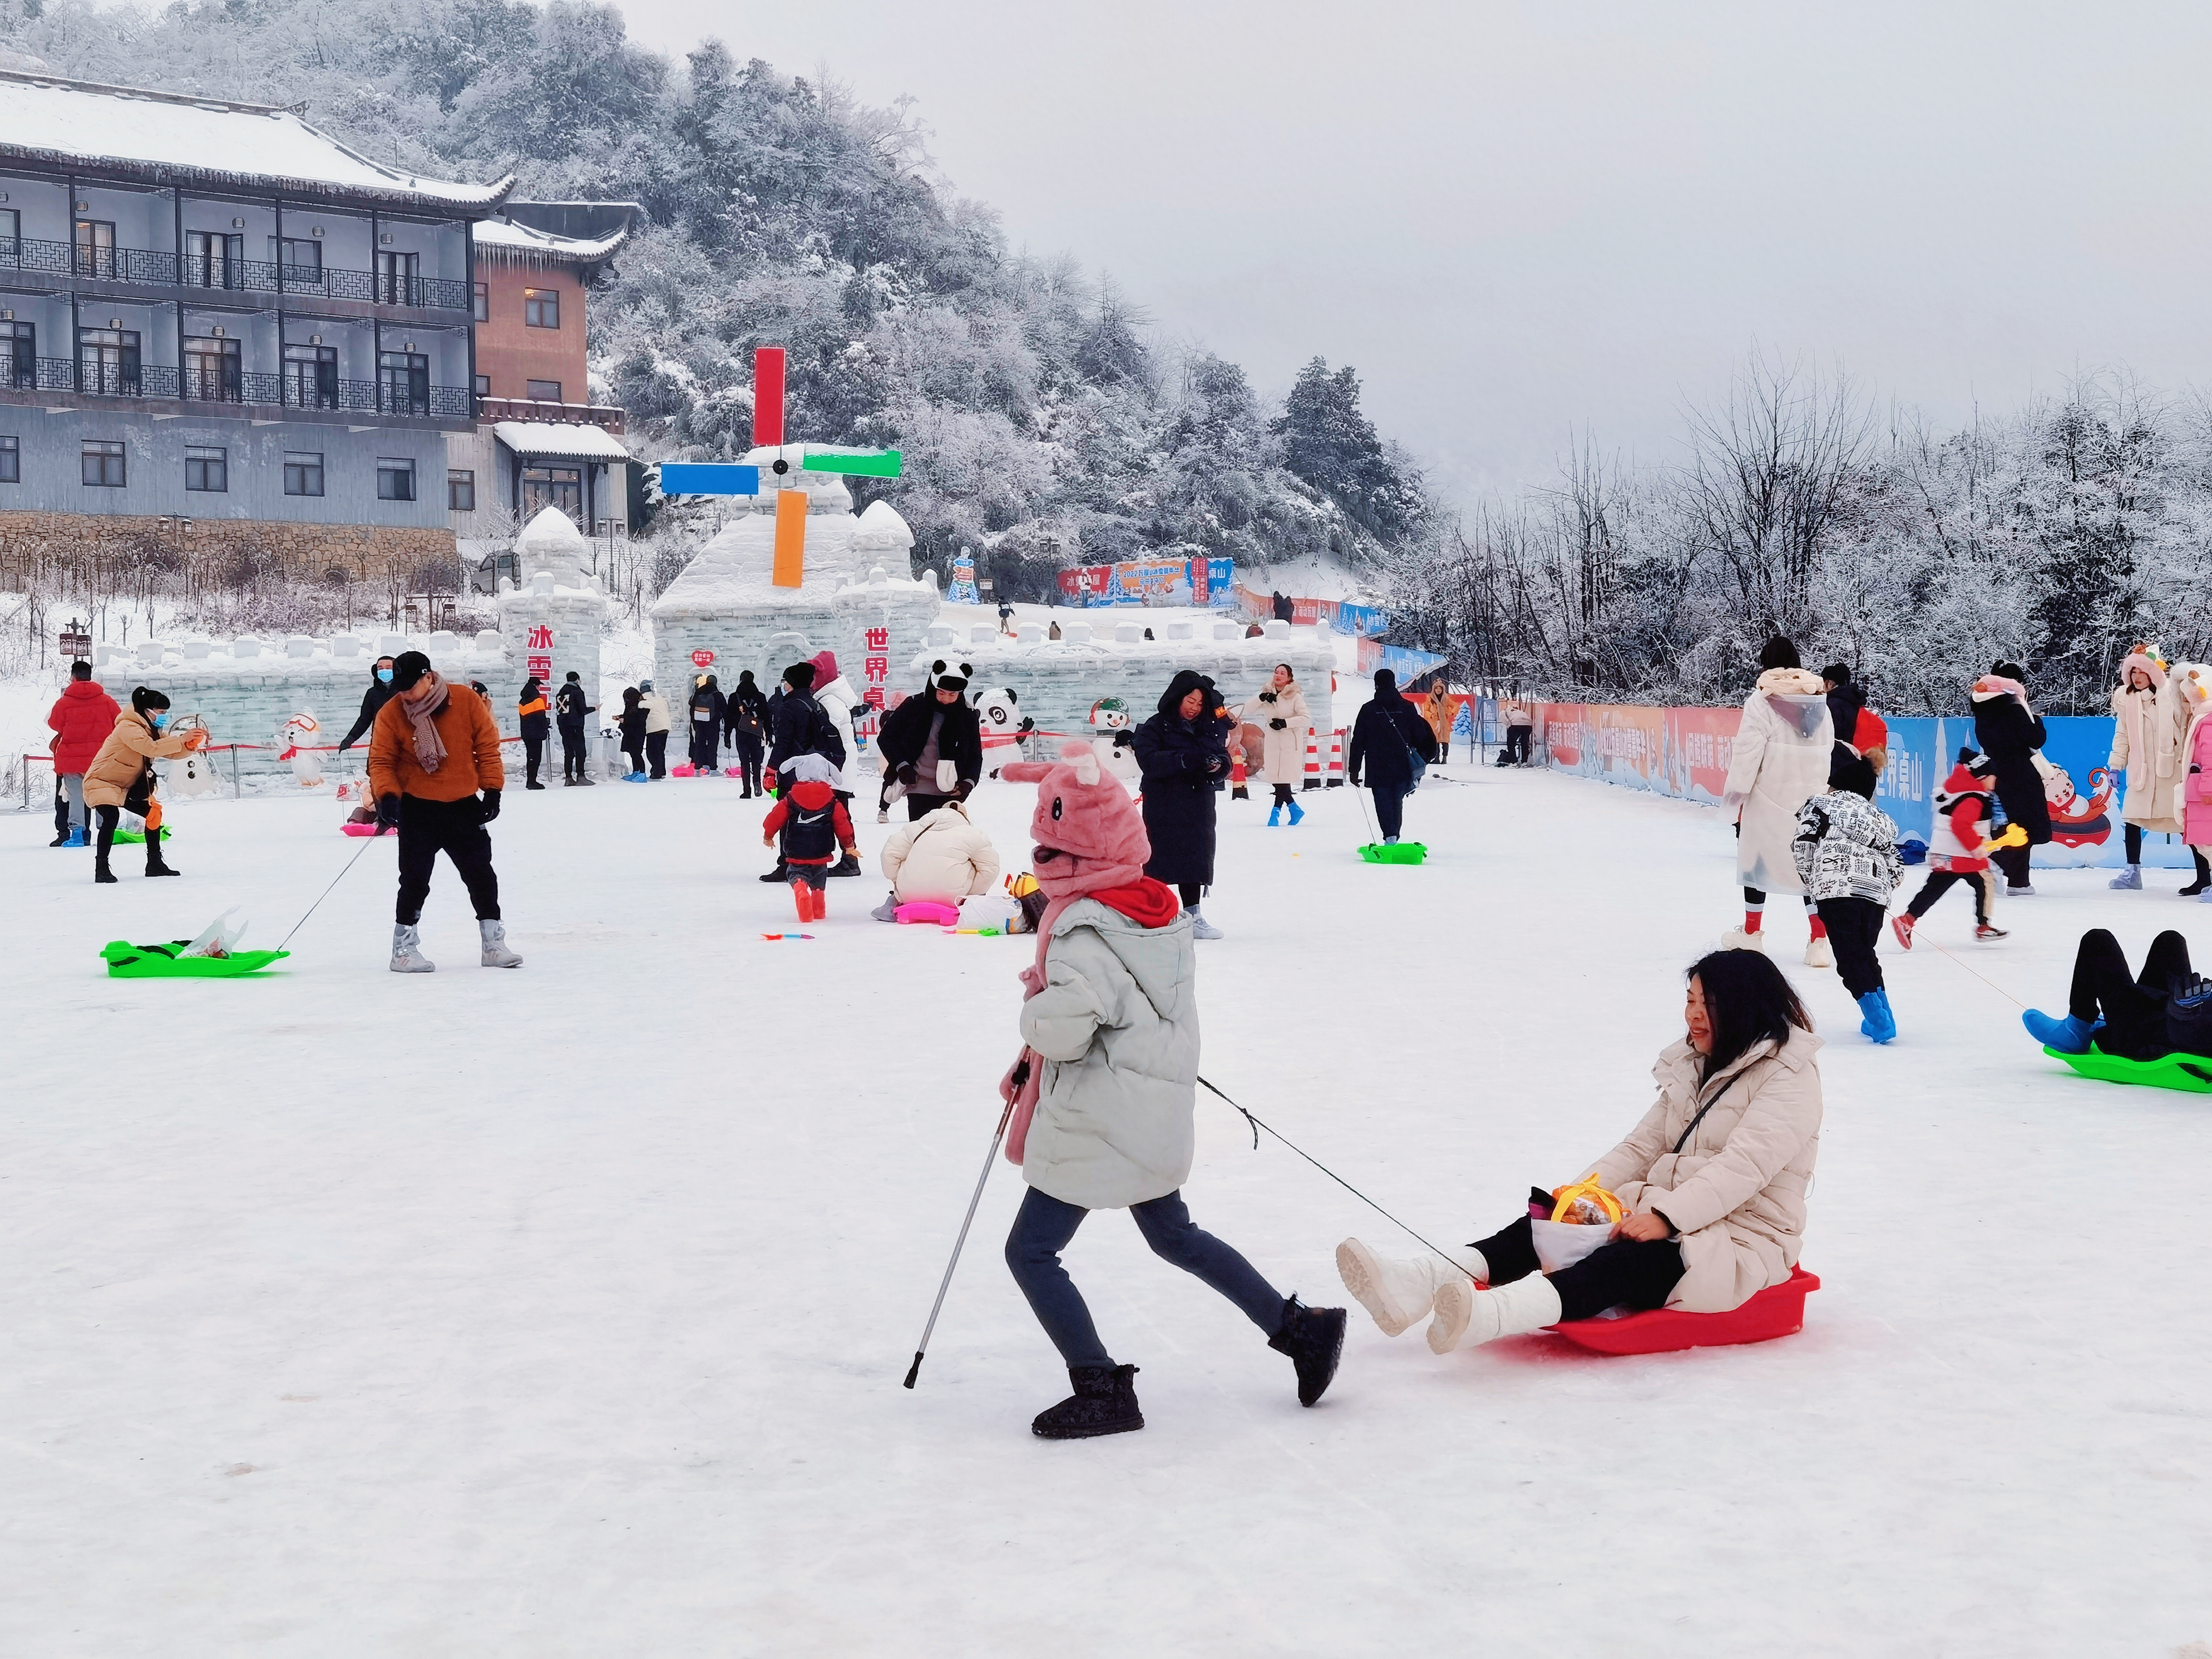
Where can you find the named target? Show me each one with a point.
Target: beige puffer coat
(940, 856)
(2147, 732)
(1284, 752)
(116, 768)
(1736, 1192)
(1779, 762)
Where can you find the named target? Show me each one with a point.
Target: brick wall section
(366, 552)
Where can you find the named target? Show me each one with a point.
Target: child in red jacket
(1962, 847)
(808, 826)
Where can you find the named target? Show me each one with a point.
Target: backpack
(809, 835)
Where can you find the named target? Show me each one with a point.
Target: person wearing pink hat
(1104, 1092)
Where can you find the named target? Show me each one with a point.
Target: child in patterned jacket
(1846, 855)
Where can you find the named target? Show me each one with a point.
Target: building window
(11, 461)
(302, 259)
(460, 490)
(541, 308)
(95, 249)
(103, 464)
(545, 391)
(211, 370)
(484, 386)
(553, 486)
(303, 473)
(483, 312)
(107, 361)
(18, 356)
(207, 469)
(395, 480)
(311, 376)
(403, 382)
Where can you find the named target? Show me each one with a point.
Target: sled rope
(1985, 978)
(335, 880)
(1257, 1125)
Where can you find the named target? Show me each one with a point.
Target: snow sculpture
(301, 734)
(550, 616)
(1005, 726)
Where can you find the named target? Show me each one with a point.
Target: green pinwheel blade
(867, 463)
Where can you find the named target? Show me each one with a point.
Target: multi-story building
(539, 442)
(216, 321)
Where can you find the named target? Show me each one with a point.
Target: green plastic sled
(128, 961)
(1404, 852)
(2191, 1073)
(137, 838)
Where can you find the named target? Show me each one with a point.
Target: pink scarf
(420, 702)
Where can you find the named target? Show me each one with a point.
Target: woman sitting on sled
(1711, 1183)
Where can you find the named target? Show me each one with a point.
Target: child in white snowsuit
(1846, 857)
(1103, 1093)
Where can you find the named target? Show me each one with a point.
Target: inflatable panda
(1113, 741)
(1005, 729)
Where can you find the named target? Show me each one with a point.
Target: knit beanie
(799, 676)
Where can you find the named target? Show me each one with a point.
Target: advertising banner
(1200, 581)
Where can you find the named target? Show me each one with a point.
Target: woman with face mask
(122, 776)
(378, 693)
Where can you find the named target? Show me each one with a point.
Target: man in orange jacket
(434, 770)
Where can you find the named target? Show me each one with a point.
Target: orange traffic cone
(1236, 789)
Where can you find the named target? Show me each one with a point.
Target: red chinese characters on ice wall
(875, 666)
(539, 644)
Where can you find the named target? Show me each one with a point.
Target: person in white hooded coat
(1779, 762)
(941, 857)
(2148, 721)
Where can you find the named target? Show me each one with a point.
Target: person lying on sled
(1711, 1183)
(2122, 1013)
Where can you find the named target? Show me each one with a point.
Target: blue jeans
(1043, 1228)
(1390, 810)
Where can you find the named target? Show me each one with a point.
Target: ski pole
(945, 1284)
(335, 880)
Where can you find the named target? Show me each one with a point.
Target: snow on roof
(64, 123)
(504, 237)
(565, 439)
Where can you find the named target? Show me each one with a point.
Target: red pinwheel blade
(767, 396)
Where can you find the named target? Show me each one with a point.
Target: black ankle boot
(1104, 1402)
(100, 872)
(1314, 1339)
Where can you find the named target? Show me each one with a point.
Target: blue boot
(1275, 816)
(2068, 1035)
(1297, 814)
(1879, 1023)
(76, 835)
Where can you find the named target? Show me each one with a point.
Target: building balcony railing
(199, 385)
(152, 267)
(539, 409)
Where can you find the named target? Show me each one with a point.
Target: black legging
(1282, 795)
(1190, 892)
(1941, 882)
(1624, 1273)
(534, 749)
(2133, 1006)
(1854, 924)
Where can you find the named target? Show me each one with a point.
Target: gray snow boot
(495, 953)
(407, 956)
(888, 910)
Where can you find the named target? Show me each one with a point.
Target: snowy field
(562, 1312)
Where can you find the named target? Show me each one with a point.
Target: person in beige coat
(943, 857)
(2149, 720)
(1779, 761)
(1283, 720)
(1713, 1180)
(122, 776)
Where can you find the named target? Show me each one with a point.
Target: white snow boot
(407, 956)
(1467, 1317)
(1397, 1293)
(1736, 939)
(495, 953)
(1201, 928)
(1820, 954)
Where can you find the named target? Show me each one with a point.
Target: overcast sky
(1518, 220)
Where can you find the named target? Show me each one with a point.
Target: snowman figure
(193, 774)
(300, 733)
(1005, 729)
(1112, 740)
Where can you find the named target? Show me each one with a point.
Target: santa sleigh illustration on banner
(2080, 824)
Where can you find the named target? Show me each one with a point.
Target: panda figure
(1113, 740)
(1005, 728)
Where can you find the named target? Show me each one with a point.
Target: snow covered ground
(562, 1312)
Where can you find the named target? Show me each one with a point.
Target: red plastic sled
(1777, 1310)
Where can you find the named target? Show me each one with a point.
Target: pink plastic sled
(1777, 1310)
(350, 828)
(922, 910)
(683, 769)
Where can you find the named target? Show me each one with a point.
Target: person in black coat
(1183, 752)
(535, 726)
(926, 730)
(631, 723)
(709, 709)
(745, 720)
(2009, 733)
(570, 708)
(800, 725)
(1386, 738)
(746, 694)
(378, 694)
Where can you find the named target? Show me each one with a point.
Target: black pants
(2132, 1008)
(1190, 893)
(1941, 882)
(533, 750)
(1282, 795)
(706, 751)
(109, 817)
(749, 754)
(572, 749)
(1624, 1273)
(1854, 924)
(634, 748)
(1516, 745)
(1390, 810)
(456, 828)
(656, 752)
(2012, 861)
(2134, 836)
(920, 806)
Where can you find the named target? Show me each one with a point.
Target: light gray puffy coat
(1846, 847)
(1117, 1024)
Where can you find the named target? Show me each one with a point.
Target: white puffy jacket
(1117, 1024)
(1778, 763)
(941, 856)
